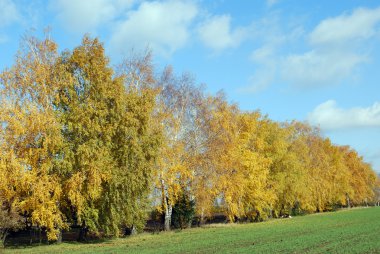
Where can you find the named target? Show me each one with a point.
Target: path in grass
(348, 231)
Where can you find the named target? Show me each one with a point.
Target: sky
(314, 61)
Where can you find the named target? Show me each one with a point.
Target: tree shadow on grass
(28, 241)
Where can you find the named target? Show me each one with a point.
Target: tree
(296, 192)
(237, 172)
(177, 113)
(135, 145)
(255, 167)
(376, 199)
(286, 170)
(362, 179)
(110, 142)
(30, 135)
(85, 109)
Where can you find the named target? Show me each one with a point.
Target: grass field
(348, 231)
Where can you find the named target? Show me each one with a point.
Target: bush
(183, 212)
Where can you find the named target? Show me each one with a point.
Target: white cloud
(360, 25)
(267, 57)
(86, 15)
(338, 47)
(216, 33)
(331, 117)
(163, 26)
(8, 13)
(320, 67)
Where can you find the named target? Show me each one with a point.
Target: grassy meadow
(346, 231)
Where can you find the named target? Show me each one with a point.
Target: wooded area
(86, 144)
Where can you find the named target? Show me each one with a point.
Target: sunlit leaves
(82, 144)
(30, 134)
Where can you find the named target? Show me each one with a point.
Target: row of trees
(85, 144)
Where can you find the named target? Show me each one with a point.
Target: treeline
(83, 143)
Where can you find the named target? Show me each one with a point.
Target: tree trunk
(59, 236)
(3, 236)
(202, 218)
(39, 235)
(190, 224)
(83, 233)
(168, 216)
(134, 230)
(130, 230)
(167, 206)
(348, 201)
(31, 235)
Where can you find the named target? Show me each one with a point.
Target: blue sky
(315, 61)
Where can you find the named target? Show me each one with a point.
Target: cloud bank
(338, 47)
(87, 15)
(163, 26)
(329, 116)
(216, 33)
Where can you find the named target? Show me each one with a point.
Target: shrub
(183, 212)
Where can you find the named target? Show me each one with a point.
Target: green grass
(348, 231)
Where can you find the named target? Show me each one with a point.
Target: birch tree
(30, 134)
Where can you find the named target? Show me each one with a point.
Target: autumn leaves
(83, 145)
(77, 141)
